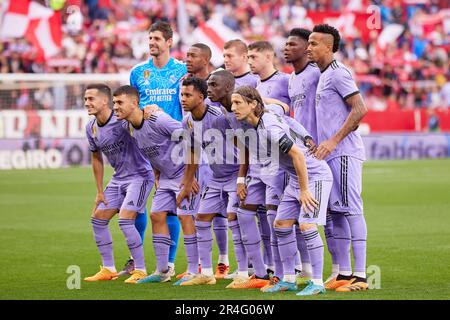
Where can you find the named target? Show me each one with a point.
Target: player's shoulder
(214, 111)
(337, 68)
(177, 64)
(141, 65)
(90, 125)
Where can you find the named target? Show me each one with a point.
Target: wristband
(240, 180)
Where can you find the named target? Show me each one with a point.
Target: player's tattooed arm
(358, 111)
(151, 109)
(189, 184)
(306, 198)
(98, 169)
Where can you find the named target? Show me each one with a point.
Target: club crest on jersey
(94, 131)
(146, 76)
(173, 79)
(190, 126)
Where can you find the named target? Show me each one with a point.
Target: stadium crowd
(107, 36)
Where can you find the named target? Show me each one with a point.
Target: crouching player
(128, 189)
(156, 138)
(207, 131)
(298, 204)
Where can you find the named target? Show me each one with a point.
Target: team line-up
(300, 169)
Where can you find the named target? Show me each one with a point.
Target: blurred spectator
(110, 36)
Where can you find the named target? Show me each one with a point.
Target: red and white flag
(38, 24)
(214, 33)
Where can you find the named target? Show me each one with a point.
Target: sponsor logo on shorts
(131, 203)
(337, 204)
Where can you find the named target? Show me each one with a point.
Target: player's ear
(170, 42)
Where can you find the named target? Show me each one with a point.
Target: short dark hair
(100, 87)
(164, 27)
(261, 46)
(127, 90)
(198, 84)
(204, 48)
(300, 32)
(226, 75)
(240, 45)
(325, 28)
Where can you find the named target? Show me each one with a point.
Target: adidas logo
(337, 204)
(131, 203)
(275, 197)
(184, 207)
(236, 205)
(306, 216)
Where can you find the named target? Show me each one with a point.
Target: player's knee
(283, 223)
(232, 216)
(204, 217)
(307, 226)
(157, 218)
(271, 207)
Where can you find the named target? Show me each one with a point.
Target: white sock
(317, 282)
(242, 274)
(112, 269)
(271, 268)
(172, 265)
(334, 269)
(207, 272)
(223, 258)
(345, 273)
(289, 278)
(359, 274)
(298, 267)
(307, 269)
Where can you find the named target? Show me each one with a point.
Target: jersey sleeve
(166, 125)
(89, 131)
(278, 136)
(275, 108)
(133, 78)
(344, 83)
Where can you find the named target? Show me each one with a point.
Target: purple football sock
(271, 215)
(264, 230)
(302, 248)
(134, 242)
(190, 245)
(342, 238)
(287, 245)
(359, 236)
(239, 249)
(315, 247)
(103, 240)
(331, 244)
(161, 245)
(220, 226)
(252, 240)
(204, 242)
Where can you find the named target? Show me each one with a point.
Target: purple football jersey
(205, 132)
(273, 130)
(158, 139)
(336, 84)
(247, 79)
(276, 87)
(302, 92)
(119, 148)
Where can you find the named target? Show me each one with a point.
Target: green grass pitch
(45, 228)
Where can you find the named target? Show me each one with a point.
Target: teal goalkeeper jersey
(160, 86)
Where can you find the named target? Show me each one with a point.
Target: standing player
(128, 189)
(197, 62)
(302, 92)
(236, 61)
(271, 84)
(158, 82)
(219, 197)
(154, 138)
(340, 108)
(306, 174)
